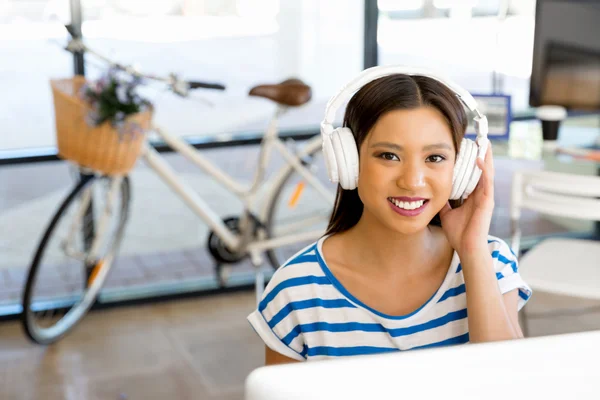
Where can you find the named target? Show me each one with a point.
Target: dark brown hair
(393, 92)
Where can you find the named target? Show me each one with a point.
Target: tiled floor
(193, 349)
(179, 350)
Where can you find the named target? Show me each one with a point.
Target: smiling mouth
(408, 205)
(408, 208)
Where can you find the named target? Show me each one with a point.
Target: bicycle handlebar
(204, 85)
(178, 86)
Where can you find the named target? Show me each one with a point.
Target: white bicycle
(82, 239)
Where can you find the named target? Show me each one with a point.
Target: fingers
(482, 165)
(486, 182)
(489, 159)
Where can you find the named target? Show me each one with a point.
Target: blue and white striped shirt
(306, 313)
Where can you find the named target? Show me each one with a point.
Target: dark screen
(566, 55)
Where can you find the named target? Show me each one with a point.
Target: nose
(412, 176)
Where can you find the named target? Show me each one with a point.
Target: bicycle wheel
(299, 205)
(74, 257)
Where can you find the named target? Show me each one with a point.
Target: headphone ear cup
(342, 148)
(474, 180)
(467, 168)
(464, 168)
(330, 161)
(476, 174)
(456, 177)
(339, 157)
(350, 157)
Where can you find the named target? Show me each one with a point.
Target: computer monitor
(550, 367)
(566, 54)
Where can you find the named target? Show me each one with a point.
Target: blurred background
(501, 48)
(244, 43)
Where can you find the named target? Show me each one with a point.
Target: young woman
(400, 267)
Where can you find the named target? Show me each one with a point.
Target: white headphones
(341, 153)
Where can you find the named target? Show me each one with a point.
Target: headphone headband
(373, 73)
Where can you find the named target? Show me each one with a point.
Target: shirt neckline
(422, 309)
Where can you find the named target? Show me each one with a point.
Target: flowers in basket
(113, 98)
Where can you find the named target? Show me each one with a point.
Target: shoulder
(497, 244)
(502, 254)
(300, 278)
(298, 268)
(296, 287)
(507, 270)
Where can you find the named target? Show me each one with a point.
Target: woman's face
(406, 165)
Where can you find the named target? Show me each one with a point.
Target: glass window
(479, 44)
(239, 43)
(31, 55)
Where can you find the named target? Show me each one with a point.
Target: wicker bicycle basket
(99, 148)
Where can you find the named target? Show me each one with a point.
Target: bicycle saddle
(291, 92)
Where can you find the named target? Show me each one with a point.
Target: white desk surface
(551, 367)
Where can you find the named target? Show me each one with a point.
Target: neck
(390, 251)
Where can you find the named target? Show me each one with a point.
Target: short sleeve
(274, 320)
(507, 270)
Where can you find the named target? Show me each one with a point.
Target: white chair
(561, 266)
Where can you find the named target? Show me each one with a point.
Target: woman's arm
(272, 357)
(492, 316)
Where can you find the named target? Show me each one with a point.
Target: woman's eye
(436, 158)
(389, 156)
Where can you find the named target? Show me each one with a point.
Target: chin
(408, 228)
(408, 225)
(403, 225)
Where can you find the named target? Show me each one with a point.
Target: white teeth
(408, 205)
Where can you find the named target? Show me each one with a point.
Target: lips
(405, 198)
(408, 206)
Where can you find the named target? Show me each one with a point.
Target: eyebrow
(435, 146)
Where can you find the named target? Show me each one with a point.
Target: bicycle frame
(243, 241)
